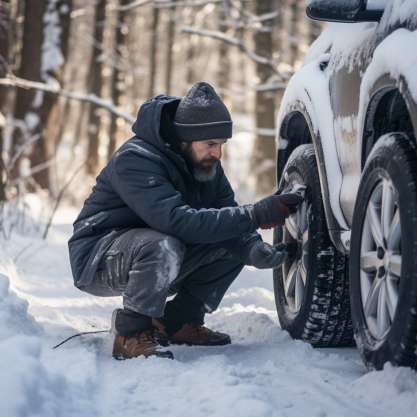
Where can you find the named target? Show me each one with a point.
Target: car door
(347, 67)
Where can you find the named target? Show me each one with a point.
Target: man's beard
(204, 170)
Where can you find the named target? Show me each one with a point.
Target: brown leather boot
(140, 344)
(190, 334)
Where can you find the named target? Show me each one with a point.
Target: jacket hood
(154, 122)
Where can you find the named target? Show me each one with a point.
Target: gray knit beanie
(202, 115)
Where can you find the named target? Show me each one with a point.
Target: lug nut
(380, 253)
(381, 272)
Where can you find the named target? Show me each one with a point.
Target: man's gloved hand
(291, 248)
(273, 210)
(262, 255)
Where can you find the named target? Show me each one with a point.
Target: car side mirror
(343, 11)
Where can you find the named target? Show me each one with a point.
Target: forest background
(73, 74)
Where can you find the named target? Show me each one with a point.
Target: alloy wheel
(380, 259)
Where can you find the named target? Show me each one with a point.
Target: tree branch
(196, 3)
(59, 198)
(12, 81)
(161, 4)
(230, 40)
(133, 5)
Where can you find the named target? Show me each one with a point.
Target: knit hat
(201, 115)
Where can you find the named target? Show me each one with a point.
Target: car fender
(386, 73)
(308, 93)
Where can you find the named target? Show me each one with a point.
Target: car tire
(383, 257)
(320, 314)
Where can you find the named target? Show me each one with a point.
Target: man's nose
(216, 152)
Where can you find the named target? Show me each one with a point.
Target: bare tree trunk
(239, 69)
(170, 50)
(54, 73)
(4, 59)
(224, 64)
(60, 108)
(81, 121)
(45, 38)
(190, 76)
(95, 83)
(315, 29)
(224, 67)
(293, 32)
(118, 77)
(153, 51)
(278, 42)
(264, 148)
(27, 103)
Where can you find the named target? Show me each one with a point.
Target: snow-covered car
(347, 130)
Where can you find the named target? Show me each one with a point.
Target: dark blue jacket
(148, 184)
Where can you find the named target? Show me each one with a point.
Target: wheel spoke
(369, 262)
(303, 273)
(383, 320)
(302, 222)
(290, 281)
(299, 290)
(387, 208)
(394, 234)
(375, 224)
(395, 265)
(392, 296)
(371, 303)
(291, 225)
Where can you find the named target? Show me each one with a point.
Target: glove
(291, 200)
(273, 210)
(291, 248)
(262, 255)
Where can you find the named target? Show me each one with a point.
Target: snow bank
(26, 387)
(382, 387)
(35, 380)
(14, 317)
(263, 373)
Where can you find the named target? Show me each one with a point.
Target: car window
(376, 4)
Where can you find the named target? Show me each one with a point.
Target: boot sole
(222, 343)
(165, 355)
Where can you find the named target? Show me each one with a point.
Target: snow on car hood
(395, 55)
(399, 11)
(341, 40)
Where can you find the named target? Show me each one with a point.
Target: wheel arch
(297, 128)
(391, 108)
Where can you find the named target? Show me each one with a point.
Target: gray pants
(146, 266)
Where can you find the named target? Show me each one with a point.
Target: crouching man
(162, 220)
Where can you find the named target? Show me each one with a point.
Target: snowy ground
(263, 373)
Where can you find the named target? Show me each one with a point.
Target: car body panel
(299, 96)
(339, 99)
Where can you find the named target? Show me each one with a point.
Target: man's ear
(184, 146)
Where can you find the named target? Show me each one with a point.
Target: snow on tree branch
(12, 81)
(134, 5)
(166, 4)
(196, 3)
